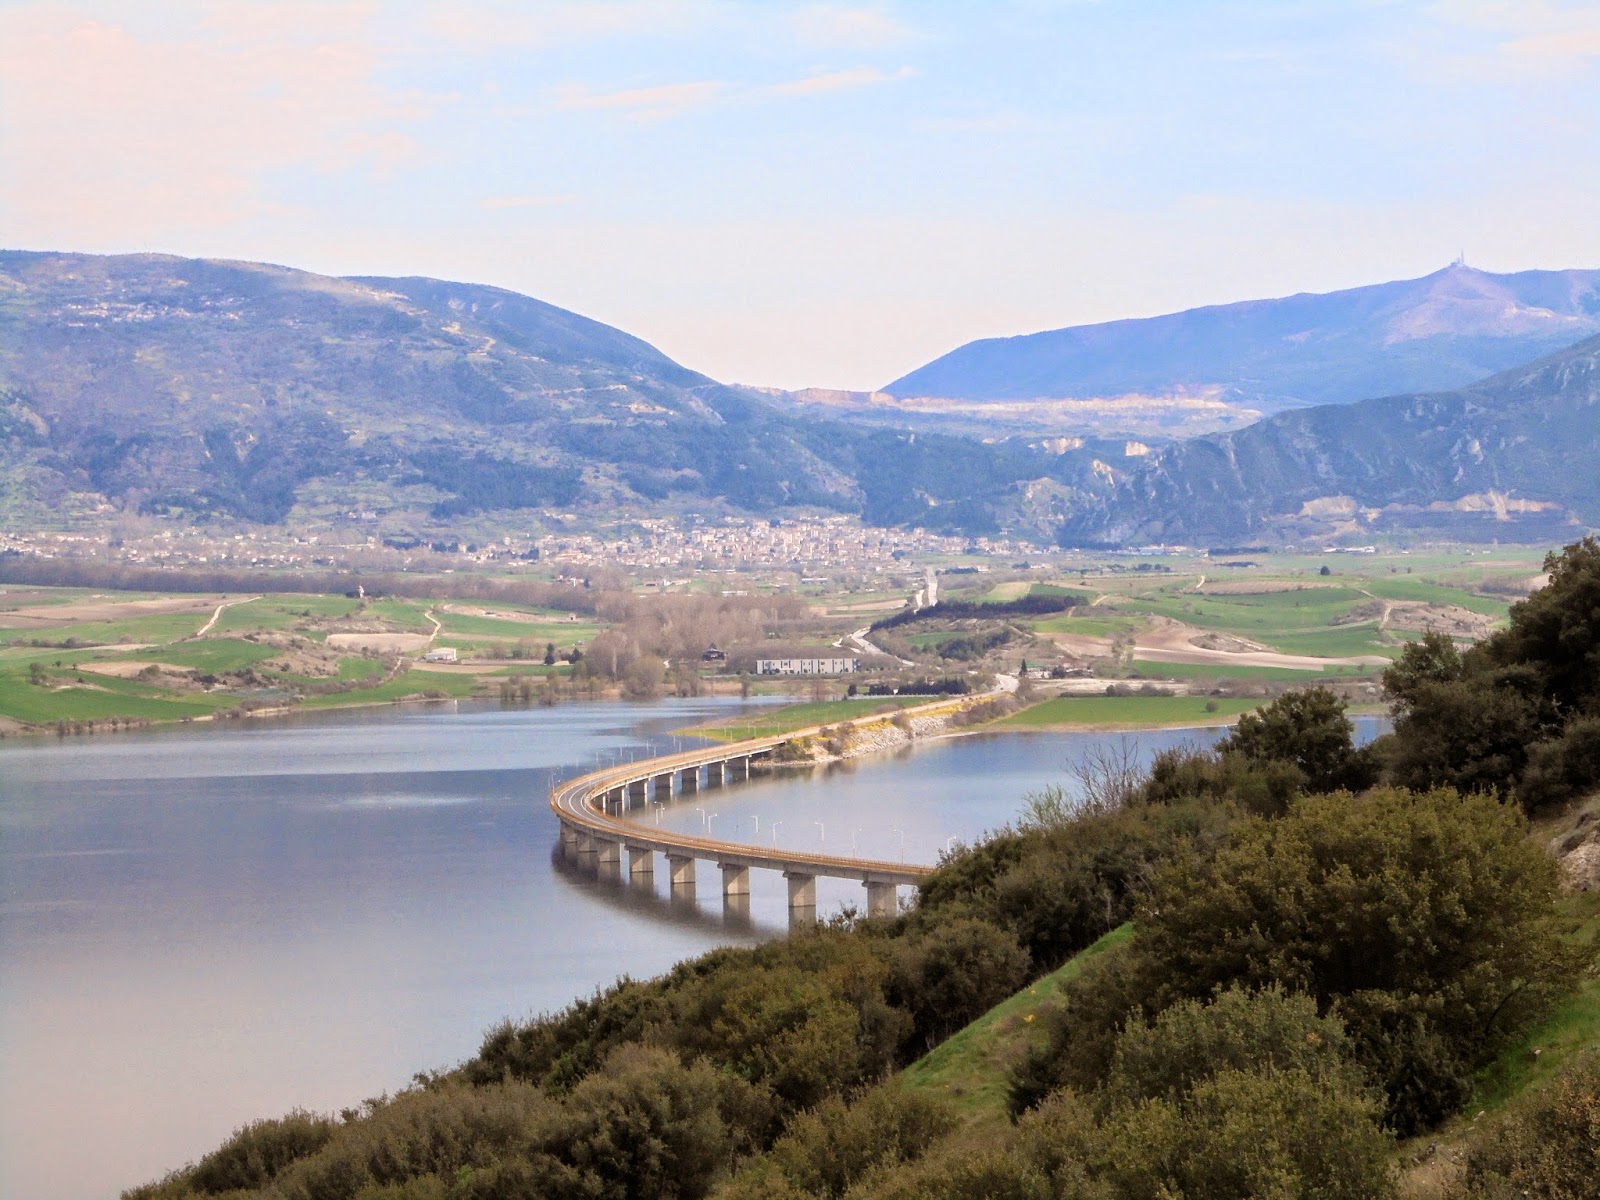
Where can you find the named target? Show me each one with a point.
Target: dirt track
(1174, 642)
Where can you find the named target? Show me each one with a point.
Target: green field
(282, 612)
(1131, 712)
(1165, 670)
(970, 1069)
(562, 633)
(1102, 624)
(1408, 587)
(209, 656)
(98, 699)
(159, 627)
(410, 683)
(802, 716)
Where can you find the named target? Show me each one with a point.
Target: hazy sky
(810, 193)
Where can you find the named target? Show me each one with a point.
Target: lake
(202, 926)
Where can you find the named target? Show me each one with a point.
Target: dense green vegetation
(1517, 714)
(1308, 963)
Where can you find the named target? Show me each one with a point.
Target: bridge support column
(637, 793)
(680, 867)
(569, 837)
(735, 880)
(616, 800)
(882, 900)
(585, 846)
(608, 857)
(689, 781)
(802, 899)
(740, 767)
(641, 864)
(663, 787)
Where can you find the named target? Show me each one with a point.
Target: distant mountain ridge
(199, 388)
(1512, 458)
(1441, 331)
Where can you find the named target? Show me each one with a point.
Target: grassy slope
(1131, 711)
(970, 1069)
(1573, 1026)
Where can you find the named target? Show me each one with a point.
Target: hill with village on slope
(201, 389)
(206, 391)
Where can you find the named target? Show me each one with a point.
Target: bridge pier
(882, 900)
(740, 767)
(607, 858)
(680, 869)
(641, 864)
(663, 787)
(689, 780)
(569, 837)
(802, 899)
(735, 880)
(637, 793)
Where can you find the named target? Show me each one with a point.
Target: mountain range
(202, 389)
(1442, 331)
(1510, 458)
(199, 388)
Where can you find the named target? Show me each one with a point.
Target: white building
(807, 666)
(440, 654)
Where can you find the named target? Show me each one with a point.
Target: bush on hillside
(1511, 714)
(1547, 1147)
(1307, 729)
(1249, 1095)
(1423, 921)
(828, 1150)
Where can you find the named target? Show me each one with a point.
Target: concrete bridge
(592, 810)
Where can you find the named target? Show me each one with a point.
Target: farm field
(70, 659)
(1126, 712)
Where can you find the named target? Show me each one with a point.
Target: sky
(814, 194)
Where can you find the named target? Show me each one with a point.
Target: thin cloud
(532, 200)
(487, 27)
(1532, 34)
(839, 81)
(645, 103)
(849, 27)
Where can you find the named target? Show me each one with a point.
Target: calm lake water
(204, 926)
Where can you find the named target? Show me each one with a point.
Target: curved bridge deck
(591, 809)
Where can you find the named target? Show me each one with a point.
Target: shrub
(1422, 921)
(952, 975)
(829, 1149)
(1546, 1148)
(1308, 729)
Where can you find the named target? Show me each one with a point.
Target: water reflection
(645, 898)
